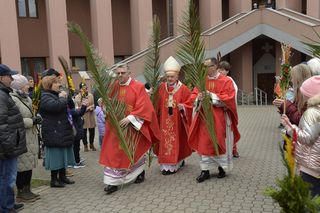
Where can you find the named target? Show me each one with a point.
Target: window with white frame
(27, 8)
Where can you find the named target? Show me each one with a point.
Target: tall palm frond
(152, 67)
(152, 63)
(106, 87)
(67, 73)
(191, 53)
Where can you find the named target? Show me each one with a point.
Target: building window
(170, 17)
(31, 66)
(27, 8)
(79, 62)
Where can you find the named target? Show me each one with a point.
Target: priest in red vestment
(222, 94)
(173, 118)
(141, 116)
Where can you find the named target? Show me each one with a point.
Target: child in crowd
(308, 146)
(101, 120)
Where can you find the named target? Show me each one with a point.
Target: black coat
(77, 118)
(12, 131)
(56, 128)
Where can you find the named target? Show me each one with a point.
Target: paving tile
(241, 191)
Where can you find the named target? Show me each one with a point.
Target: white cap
(171, 65)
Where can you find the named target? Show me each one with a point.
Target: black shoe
(164, 172)
(140, 178)
(182, 164)
(56, 184)
(205, 175)
(221, 173)
(110, 189)
(18, 206)
(67, 181)
(236, 155)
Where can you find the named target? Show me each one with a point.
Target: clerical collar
(215, 76)
(127, 83)
(172, 85)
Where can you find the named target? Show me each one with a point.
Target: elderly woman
(28, 160)
(57, 131)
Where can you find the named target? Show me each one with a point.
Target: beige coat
(28, 160)
(89, 117)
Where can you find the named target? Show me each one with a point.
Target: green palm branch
(152, 67)
(191, 52)
(106, 86)
(152, 63)
(65, 67)
(313, 45)
(292, 193)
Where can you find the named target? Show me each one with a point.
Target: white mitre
(171, 65)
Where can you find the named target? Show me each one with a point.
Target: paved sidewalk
(241, 191)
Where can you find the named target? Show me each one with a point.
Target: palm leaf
(106, 87)
(191, 52)
(152, 63)
(65, 67)
(313, 45)
(152, 67)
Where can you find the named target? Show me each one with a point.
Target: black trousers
(91, 136)
(23, 179)
(76, 150)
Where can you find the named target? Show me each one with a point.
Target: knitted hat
(171, 66)
(18, 82)
(311, 86)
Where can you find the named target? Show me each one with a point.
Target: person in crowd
(77, 121)
(57, 131)
(101, 120)
(294, 110)
(173, 119)
(89, 116)
(222, 95)
(314, 65)
(141, 117)
(307, 149)
(28, 160)
(12, 142)
(31, 86)
(224, 69)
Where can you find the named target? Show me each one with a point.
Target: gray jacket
(28, 160)
(12, 131)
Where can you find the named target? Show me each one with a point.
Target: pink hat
(311, 86)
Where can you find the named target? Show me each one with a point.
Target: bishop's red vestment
(173, 146)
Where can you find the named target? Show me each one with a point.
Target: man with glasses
(222, 96)
(141, 119)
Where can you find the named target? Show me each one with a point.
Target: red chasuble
(139, 105)
(173, 146)
(199, 138)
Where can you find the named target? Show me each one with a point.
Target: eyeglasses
(122, 73)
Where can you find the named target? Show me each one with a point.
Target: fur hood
(314, 101)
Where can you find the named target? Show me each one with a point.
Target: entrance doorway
(266, 83)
